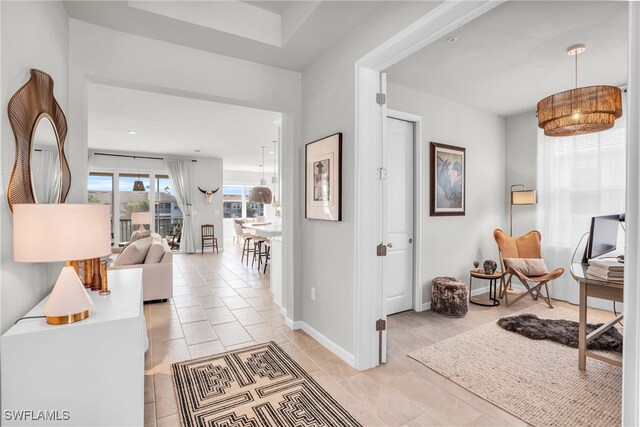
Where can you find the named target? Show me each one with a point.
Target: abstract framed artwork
(323, 178)
(448, 175)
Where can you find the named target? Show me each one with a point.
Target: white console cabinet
(89, 373)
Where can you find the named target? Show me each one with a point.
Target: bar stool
(267, 256)
(257, 250)
(246, 249)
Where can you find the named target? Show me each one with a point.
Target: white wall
(521, 167)
(451, 244)
(328, 88)
(244, 178)
(207, 174)
(34, 35)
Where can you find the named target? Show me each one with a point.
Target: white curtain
(578, 178)
(46, 176)
(180, 175)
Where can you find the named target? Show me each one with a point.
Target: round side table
(493, 282)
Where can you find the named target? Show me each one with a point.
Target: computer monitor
(603, 236)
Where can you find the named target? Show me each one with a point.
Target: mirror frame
(26, 107)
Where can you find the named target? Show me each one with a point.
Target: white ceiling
(307, 28)
(178, 126)
(507, 60)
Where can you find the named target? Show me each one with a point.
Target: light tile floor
(221, 304)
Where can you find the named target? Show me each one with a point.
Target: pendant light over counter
(262, 193)
(138, 185)
(581, 110)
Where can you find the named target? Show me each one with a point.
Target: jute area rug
(255, 386)
(538, 381)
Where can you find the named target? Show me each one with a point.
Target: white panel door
(398, 216)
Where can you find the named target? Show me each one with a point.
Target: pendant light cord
(576, 55)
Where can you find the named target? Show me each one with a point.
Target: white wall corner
(425, 306)
(343, 354)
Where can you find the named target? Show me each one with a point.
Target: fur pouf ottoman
(449, 297)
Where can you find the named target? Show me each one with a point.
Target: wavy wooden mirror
(40, 172)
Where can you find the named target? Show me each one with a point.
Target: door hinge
(381, 98)
(382, 174)
(381, 250)
(381, 325)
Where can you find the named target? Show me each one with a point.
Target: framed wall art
(323, 178)
(448, 174)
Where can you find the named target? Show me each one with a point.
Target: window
(236, 203)
(578, 178)
(131, 201)
(100, 191)
(253, 209)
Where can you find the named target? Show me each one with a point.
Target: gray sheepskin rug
(562, 331)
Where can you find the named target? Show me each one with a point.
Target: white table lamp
(142, 218)
(62, 232)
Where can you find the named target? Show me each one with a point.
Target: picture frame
(323, 178)
(448, 180)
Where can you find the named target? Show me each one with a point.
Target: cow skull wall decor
(208, 194)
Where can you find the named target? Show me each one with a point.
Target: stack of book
(606, 269)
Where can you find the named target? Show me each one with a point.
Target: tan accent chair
(527, 246)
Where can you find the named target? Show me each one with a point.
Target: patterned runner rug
(538, 381)
(255, 386)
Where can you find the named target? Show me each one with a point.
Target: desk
(599, 289)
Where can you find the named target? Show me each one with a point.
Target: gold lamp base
(71, 318)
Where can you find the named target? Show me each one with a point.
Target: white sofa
(154, 256)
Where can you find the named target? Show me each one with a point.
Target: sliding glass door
(132, 200)
(168, 216)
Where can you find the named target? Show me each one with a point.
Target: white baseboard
(326, 342)
(425, 306)
(480, 291)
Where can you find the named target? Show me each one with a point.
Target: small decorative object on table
(449, 297)
(490, 266)
(104, 289)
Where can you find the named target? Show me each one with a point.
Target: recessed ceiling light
(270, 152)
(452, 40)
(132, 132)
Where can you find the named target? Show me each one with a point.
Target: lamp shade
(141, 218)
(60, 232)
(580, 111)
(261, 195)
(524, 197)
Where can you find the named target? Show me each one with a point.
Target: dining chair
(207, 236)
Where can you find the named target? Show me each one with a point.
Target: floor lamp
(520, 196)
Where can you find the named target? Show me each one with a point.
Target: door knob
(389, 245)
(410, 240)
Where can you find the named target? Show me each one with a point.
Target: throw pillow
(528, 266)
(156, 251)
(135, 253)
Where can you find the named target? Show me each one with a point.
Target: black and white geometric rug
(255, 386)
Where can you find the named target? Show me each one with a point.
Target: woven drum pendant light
(580, 110)
(262, 193)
